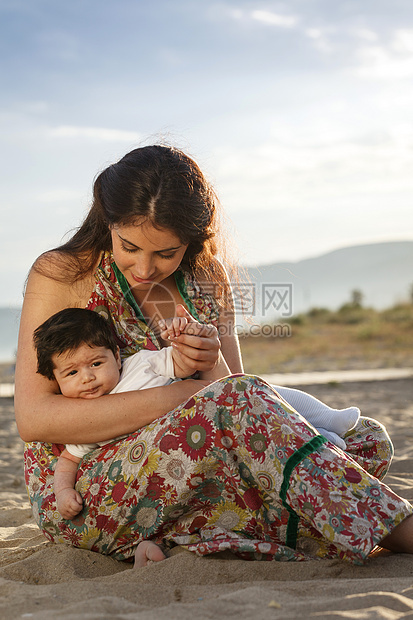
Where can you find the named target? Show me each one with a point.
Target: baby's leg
(333, 437)
(148, 552)
(319, 414)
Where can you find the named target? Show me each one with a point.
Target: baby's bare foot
(146, 553)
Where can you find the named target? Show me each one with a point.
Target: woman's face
(146, 255)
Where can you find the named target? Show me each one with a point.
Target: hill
(383, 272)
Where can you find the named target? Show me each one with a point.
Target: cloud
(95, 133)
(378, 63)
(403, 41)
(236, 13)
(289, 172)
(366, 34)
(319, 39)
(392, 62)
(274, 19)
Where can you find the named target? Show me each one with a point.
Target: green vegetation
(351, 337)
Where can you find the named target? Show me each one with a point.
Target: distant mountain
(9, 327)
(383, 272)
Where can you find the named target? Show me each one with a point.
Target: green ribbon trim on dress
(127, 293)
(311, 446)
(180, 283)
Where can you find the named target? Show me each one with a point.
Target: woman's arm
(203, 350)
(221, 370)
(228, 336)
(230, 348)
(42, 414)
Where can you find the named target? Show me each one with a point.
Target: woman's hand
(199, 346)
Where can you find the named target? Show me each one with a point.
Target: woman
(228, 466)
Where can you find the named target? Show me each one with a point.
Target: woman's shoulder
(56, 272)
(218, 279)
(51, 264)
(59, 265)
(205, 276)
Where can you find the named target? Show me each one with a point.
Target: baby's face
(87, 372)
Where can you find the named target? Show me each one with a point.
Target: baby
(77, 348)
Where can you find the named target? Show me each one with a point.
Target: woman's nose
(144, 267)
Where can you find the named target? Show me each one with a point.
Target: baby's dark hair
(66, 331)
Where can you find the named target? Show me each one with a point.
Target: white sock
(319, 414)
(333, 437)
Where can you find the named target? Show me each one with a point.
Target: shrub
(297, 319)
(400, 313)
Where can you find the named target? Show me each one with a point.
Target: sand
(42, 580)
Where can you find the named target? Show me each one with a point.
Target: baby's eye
(71, 373)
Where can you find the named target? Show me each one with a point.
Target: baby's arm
(69, 502)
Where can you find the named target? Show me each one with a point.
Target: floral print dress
(234, 468)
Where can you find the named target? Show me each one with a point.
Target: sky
(299, 113)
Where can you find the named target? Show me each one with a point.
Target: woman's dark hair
(66, 331)
(156, 184)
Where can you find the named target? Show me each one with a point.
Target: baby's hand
(171, 328)
(69, 503)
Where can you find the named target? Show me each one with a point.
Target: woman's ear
(117, 358)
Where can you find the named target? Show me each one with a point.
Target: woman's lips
(141, 281)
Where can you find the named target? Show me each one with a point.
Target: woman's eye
(95, 364)
(160, 254)
(125, 249)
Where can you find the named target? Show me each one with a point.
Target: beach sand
(42, 580)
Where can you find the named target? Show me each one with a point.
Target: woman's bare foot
(401, 538)
(146, 553)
